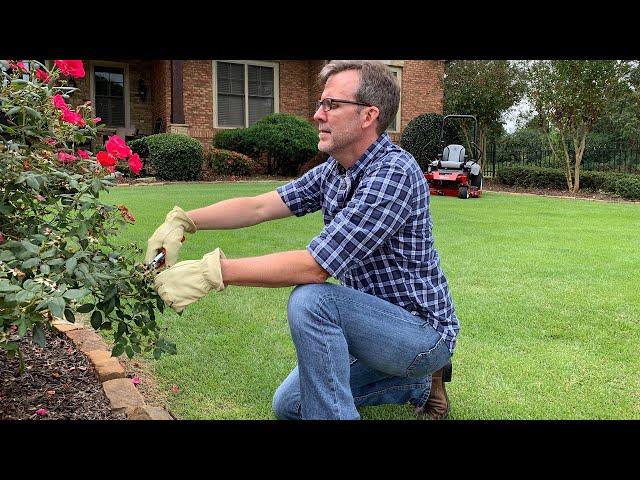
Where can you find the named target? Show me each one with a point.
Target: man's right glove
(169, 236)
(190, 280)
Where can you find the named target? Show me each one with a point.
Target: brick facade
(422, 92)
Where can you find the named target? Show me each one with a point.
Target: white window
(395, 124)
(244, 92)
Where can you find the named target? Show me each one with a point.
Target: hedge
(621, 184)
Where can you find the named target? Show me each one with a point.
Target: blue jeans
(353, 350)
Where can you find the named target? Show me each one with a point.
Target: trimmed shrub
(281, 142)
(625, 185)
(532, 177)
(420, 137)
(139, 146)
(234, 140)
(175, 156)
(226, 162)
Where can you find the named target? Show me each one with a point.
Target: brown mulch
(490, 185)
(57, 378)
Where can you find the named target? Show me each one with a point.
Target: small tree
(486, 89)
(58, 253)
(570, 96)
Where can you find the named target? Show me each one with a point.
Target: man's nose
(320, 114)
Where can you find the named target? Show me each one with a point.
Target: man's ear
(371, 115)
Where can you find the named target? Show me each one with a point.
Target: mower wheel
(463, 192)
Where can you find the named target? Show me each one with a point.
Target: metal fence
(605, 158)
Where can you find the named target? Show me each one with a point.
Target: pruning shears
(158, 260)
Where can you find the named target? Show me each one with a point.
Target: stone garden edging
(119, 389)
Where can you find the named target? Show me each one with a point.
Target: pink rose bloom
(97, 119)
(50, 141)
(41, 411)
(1, 238)
(64, 157)
(117, 147)
(40, 198)
(42, 76)
(59, 102)
(22, 67)
(72, 117)
(70, 67)
(83, 153)
(135, 165)
(106, 160)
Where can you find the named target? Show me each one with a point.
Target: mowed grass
(546, 290)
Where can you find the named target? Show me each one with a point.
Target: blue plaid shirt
(377, 236)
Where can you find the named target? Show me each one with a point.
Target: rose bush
(58, 254)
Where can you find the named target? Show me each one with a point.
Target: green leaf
(30, 247)
(33, 183)
(157, 353)
(22, 327)
(6, 255)
(32, 112)
(95, 185)
(76, 293)
(96, 319)
(68, 314)
(56, 306)
(24, 296)
(6, 209)
(86, 308)
(30, 263)
(109, 305)
(6, 286)
(70, 265)
(82, 230)
(38, 335)
(129, 351)
(117, 350)
(45, 269)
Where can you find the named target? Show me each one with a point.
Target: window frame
(246, 63)
(126, 95)
(398, 71)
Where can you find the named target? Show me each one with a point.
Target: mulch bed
(57, 378)
(493, 186)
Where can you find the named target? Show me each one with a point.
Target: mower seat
(454, 153)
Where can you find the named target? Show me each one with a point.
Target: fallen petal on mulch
(59, 386)
(135, 380)
(175, 389)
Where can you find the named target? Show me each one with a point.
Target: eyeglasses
(329, 103)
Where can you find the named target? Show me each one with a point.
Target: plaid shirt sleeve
(380, 205)
(303, 195)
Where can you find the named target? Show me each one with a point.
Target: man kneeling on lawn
(385, 334)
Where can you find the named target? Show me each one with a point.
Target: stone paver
(87, 340)
(123, 395)
(149, 413)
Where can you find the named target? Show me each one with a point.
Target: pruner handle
(158, 260)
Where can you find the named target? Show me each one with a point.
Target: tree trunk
(555, 156)
(579, 145)
(567, 159)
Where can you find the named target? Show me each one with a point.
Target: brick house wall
(422, 92)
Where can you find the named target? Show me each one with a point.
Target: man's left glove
(190, 280)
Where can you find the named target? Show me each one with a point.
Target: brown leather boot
(437, 406)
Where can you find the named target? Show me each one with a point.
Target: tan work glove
(169, 235)
(190, 280)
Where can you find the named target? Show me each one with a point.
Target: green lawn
(546, 290)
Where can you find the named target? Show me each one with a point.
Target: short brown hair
(378, 86)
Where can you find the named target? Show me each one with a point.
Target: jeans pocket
(428, 362)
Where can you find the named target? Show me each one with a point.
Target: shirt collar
(380, 145)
